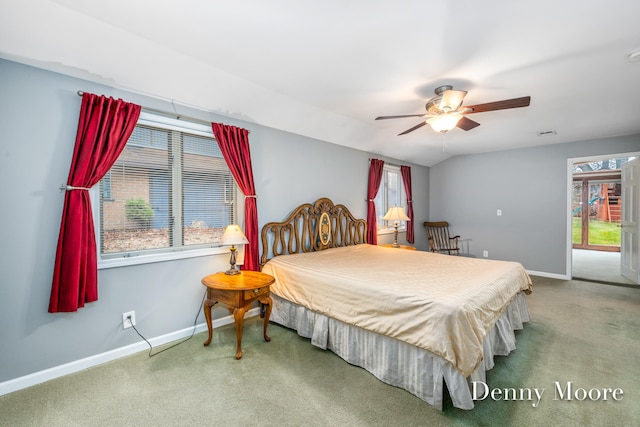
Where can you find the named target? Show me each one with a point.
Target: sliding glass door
(596, 211)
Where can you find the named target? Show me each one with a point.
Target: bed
(425, 322)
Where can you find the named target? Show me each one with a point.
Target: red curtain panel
(234, 144)
(104, 127)
(406, 179)
(375, 176)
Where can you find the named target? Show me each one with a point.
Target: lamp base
(232, 271)
(395, 236)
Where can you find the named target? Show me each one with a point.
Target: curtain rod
(388, 163)
(169, 114)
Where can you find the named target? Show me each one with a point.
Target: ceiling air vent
(547, 132)
(634, 56)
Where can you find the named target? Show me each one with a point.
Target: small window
(169, 192)
(391, 193)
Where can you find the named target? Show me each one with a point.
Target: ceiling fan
(445, 110)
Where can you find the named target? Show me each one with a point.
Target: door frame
(569, 216)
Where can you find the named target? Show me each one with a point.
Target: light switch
(499, 212)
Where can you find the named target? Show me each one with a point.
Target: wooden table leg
(208, 305)
(238, 315)
(266, 304)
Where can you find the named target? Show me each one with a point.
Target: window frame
(383, 193)
(169, 253)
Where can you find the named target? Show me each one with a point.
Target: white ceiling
(326, 69)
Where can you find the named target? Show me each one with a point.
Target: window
(105, 186)
(391, 193)
(170, 194)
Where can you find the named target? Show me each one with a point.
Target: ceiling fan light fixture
(452, 99)
(445, 110)
(444, 122)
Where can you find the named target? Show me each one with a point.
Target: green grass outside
(600, 232)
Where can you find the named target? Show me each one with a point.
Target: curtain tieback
(71, 187)
(253, 196)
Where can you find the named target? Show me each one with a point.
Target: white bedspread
(443, 304)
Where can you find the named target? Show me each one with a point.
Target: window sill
(390, 230)
(160, 257)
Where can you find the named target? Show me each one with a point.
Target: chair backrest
(439, 239)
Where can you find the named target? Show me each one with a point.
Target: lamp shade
(444, 122)
(395, 213)
(233, 235)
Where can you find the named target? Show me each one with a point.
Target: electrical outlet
(128, 319)
(485, 254)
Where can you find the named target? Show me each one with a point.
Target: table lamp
(233, 235)
(395, 214)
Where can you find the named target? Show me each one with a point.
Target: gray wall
(530, 187)
(38, 121)
(295, 169)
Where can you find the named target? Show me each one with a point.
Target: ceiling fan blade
(418, 126)
(467, 124)
(452, 99)
(399, 117)
(498, 105)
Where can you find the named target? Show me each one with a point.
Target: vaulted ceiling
(326, 69)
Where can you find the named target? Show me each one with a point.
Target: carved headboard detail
(312, 227)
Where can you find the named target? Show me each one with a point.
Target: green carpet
(584, 333)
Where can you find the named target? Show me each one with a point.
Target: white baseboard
(549, 275)
(98, 359)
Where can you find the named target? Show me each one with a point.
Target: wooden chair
(439, 239)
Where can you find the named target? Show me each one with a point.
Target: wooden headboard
(312, 227)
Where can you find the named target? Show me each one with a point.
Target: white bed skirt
(397, 363)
